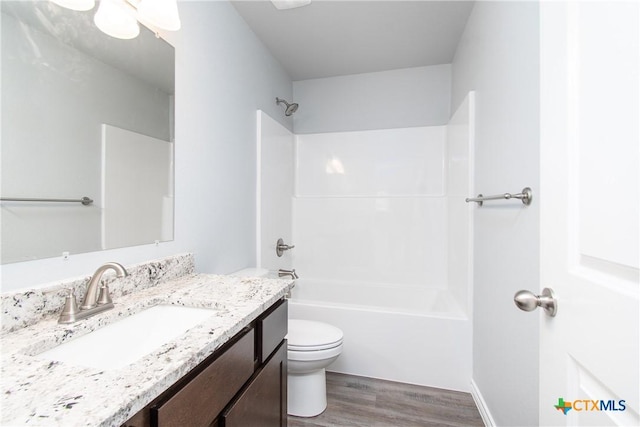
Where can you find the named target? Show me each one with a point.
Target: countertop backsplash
(27, 307)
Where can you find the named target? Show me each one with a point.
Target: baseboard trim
(487, 419)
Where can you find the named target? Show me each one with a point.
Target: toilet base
(306, 393)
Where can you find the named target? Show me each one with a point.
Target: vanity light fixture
(160, 13)
(79, 5)
(120, 18)
(117, 19)
(289, 4)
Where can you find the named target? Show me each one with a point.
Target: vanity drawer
(272, 328)
(200, 400)
(263, 402)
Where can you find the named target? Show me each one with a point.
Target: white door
(589, 212)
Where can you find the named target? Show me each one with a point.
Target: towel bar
(525, 196)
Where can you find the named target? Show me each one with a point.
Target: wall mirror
(83, 115)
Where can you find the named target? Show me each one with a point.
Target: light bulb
(289, 4)
(160, 13)
(117, 19)
(80, 5)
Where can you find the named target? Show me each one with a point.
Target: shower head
(290, 109)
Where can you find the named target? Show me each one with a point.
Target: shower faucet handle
(281, 247)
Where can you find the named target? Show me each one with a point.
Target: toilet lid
(307, 335)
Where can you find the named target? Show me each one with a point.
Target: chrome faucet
(292, 273)
(96, 298)
(91, 297)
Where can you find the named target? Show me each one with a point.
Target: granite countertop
(39, 392)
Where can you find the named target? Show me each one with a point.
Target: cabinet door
(272, 328)
(200, 401)
(264, 402)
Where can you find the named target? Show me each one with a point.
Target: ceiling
(340, 37)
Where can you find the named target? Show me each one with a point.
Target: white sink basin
(125, 341)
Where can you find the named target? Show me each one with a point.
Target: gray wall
(498, 57)
(223, 75)
(407, 97)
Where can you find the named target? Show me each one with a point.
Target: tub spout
(291, 273)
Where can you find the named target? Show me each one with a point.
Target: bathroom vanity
(228, 370)
(244, 383)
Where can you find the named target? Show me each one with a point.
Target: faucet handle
(104, 297)
(281, 247)
(70, 309)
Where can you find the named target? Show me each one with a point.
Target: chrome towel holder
(85, 200)
(525, 196)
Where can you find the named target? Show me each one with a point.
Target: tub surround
(383, 243)
(42, 392)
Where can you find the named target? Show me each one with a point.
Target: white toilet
(312, 346)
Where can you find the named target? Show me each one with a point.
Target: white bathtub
(378, 297)
(408, 334)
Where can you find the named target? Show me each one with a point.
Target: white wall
(407, 97)
(498, 58)
(276, 162)
(459, 159)
(223, 75)
(137, 172)
(369, 207)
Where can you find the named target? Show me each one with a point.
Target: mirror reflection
(83, 115)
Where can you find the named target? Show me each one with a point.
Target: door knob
(528, 301)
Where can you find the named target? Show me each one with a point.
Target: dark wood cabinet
(264, 401)
(272, 328)
(206, 395)
(242, 384)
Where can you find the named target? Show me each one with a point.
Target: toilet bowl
(311, 347)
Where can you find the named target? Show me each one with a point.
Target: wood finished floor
(368, 402)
